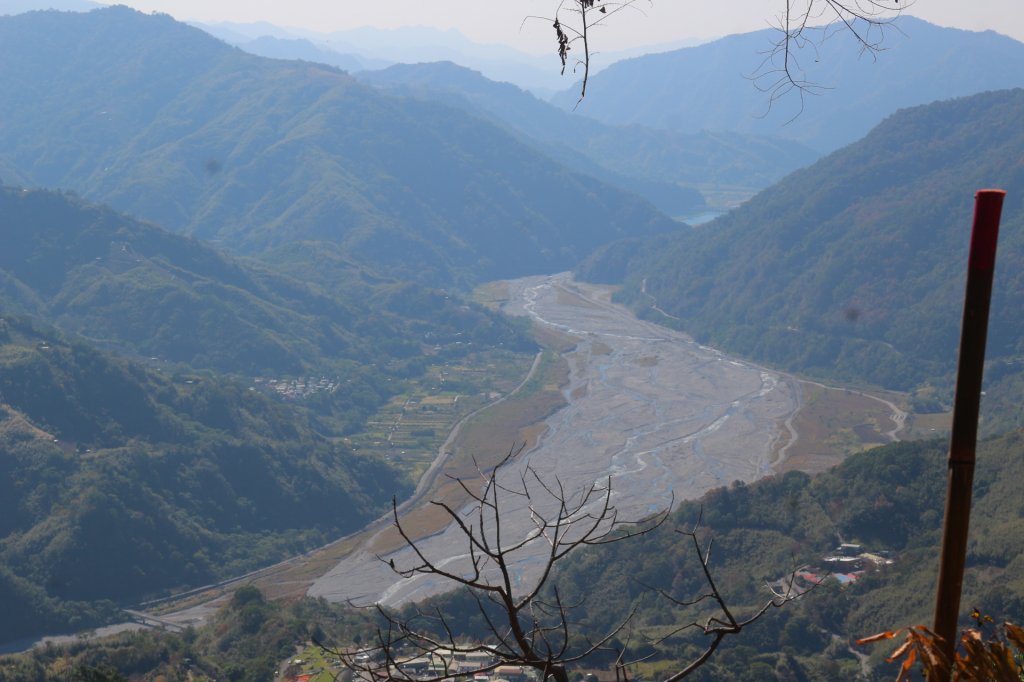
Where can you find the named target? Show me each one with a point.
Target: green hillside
(102, 275)
(664, 167)
(120, 480)
(887, 500)
(163, 121)
(141, 290)
(117, 482)
(854, 267)
(248, 637)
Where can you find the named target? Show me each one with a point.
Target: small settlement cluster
(847, 563)
(314, 667)
(297, 389)
(443, 663)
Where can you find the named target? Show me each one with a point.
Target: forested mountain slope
(161, 120)
(134, 287)
(709, 87)
(662, 166)
(889, 499)
(100, 274)
(853, 267)
(118, 482)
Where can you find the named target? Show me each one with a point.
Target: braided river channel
(650, 412)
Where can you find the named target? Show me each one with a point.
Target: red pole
(980, 267)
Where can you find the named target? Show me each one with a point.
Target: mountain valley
(270, 323)
(852, 268)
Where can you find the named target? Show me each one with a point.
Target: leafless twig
(724, 622)
(525, 628)
(801, 24)
(574, 22)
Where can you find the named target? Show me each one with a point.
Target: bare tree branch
(574, 22)
(526, 629)
(720, 626)
(801, 24)
(531, 631)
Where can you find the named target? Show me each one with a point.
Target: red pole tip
(988, 207)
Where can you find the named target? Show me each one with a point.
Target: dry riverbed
(647, 407)
(623, 400)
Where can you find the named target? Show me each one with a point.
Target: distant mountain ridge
(661, 166)
(853, 267)
(297, 48)
(161, 120)
(381, 47)
(709, 87)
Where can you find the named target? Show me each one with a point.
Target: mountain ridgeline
(665, 168)
(160, 119)
(294, 48)
(139, 289)
(720, 86)
(853, 267)
(142, 452)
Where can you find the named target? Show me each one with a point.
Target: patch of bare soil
(832, 424)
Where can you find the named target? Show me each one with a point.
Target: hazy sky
(494, 21)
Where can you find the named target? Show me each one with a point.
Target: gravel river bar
(648, 408)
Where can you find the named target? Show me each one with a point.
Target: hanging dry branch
(574, 22)
(528, 622)
(530, 629)
(801, 24)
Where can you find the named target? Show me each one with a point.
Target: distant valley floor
(646, 405)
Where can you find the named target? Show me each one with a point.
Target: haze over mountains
(21, 6)
(377, 48)
(359, 209)
(297, 48)
(161, 120)
(665, 168)
(709, 87)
